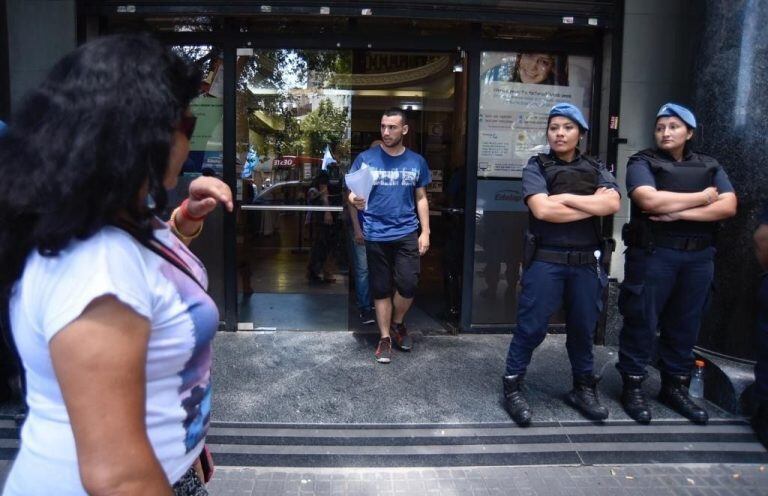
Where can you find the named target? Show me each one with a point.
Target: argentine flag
(327, 158)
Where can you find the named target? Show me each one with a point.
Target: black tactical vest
(579, 178)
(689, 176)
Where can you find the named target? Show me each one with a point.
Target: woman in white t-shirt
(107, 305)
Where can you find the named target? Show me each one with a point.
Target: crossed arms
(567, 207)
(701, 206)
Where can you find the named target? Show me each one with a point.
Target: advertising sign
(517, 91)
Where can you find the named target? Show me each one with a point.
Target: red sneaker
(400, 337)
(384, 351)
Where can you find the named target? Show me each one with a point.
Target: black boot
(514, 401)
(584, 398)
(674, 394)
(633, 398)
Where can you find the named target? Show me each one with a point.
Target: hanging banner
(517, 91)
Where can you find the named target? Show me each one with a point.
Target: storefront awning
(596, 13)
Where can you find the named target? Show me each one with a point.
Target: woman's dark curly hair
(81, 146)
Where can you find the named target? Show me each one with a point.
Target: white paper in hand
(360, 182)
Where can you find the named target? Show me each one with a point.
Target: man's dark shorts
(395, 261)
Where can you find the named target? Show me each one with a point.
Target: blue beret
(572, 112)
(674, 110)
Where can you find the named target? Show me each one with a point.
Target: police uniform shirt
(639, 173)
(535, 183)
(578, 234)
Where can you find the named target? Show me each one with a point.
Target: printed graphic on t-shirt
(397, 177)
(195, 388)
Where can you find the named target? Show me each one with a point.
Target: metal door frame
(348, 42)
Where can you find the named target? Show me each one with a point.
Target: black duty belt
(682, 243)
(565, 257)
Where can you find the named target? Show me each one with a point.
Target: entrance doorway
(302, 116)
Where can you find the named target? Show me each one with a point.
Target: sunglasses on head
(187, 125)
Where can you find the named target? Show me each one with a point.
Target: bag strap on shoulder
(155, 246)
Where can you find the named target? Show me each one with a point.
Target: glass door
(293, 146)
(302, 118)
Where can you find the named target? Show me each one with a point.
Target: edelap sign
(500, 195)
(508, 195)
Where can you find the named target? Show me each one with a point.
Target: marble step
(433, 445)
(440, 445)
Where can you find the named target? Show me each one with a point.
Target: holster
(529, 248)
(607, 247)
(637, 235)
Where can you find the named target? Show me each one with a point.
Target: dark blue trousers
(545, 286)
(664, 290)
(761, 367)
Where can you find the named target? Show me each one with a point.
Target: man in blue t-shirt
(397, 208)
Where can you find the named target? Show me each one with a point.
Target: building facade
(293, 88)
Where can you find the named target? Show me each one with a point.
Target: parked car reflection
(289, 193)
(285, 193)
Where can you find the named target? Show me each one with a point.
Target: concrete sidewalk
(605, 480)
(632, 480)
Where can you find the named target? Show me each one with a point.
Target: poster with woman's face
(517, 91)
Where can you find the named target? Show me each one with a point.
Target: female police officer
(566, 193)
(677, 198)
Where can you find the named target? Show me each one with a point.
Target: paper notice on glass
(360, 182)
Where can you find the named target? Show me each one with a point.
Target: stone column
(730, 84)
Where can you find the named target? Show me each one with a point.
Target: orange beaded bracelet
(185, 212)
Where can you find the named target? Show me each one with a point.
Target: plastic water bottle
(696, 389)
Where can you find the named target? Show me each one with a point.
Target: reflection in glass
(293, 132)
(206, 146)
(291, 117)
(501, 220)
(302, 116)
